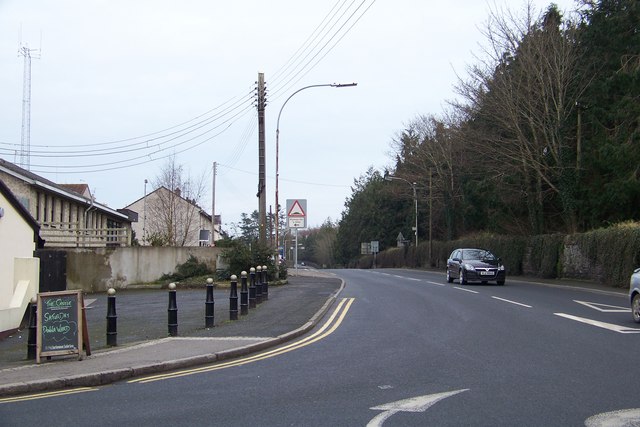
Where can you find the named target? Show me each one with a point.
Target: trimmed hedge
(607, 255)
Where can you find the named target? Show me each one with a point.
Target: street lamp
(388, 177)
(277, 158)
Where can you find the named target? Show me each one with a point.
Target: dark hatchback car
(475, 265)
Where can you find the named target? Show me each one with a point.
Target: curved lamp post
(388, 177)
(277, 162)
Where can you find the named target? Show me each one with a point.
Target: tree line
(543, 137)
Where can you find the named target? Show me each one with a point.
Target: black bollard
(33, 326)
(258, 285)
(252, 288)
(112, 319)
(265, 284)
(209, 305)
(244, 294)
(173, 311)
(233, 299)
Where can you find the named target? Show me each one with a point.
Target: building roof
(82, 189)
(23, 212)
(61, 190)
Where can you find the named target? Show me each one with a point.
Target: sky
(119, 86)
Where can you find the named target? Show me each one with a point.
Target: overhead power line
(204, 128)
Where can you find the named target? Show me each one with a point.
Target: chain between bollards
(233, 298)
(244, 294)
(112, 319)
(173, 311)
(209, 305)
(259, 285)
(252, 288)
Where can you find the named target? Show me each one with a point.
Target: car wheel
(463, 280)
(449, 278)
(635, 308)
(500, 282)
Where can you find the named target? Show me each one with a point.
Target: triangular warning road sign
(296, 209)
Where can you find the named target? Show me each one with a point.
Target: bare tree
(525, 92)
(174, 211)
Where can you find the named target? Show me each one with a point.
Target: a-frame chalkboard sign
(61, 324)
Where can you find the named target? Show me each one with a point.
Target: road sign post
(296, 218)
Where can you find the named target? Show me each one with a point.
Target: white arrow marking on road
(604, 308)
(609, 326)
(627, 417)
(413, 404)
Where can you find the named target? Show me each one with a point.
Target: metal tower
(25, 142)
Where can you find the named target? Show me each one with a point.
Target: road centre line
(47, 394)
(603, 325)
(511, 302)
(435, 283)
(466, 290)
(327, 329)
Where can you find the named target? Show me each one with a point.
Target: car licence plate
(486, 273)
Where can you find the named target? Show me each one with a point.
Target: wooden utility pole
(262, 193)
(213, 205)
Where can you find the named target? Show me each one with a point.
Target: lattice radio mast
(25, 141)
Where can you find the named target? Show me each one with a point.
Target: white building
(165, 218)
(19, 269)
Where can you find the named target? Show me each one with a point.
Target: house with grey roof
(165, 218)
(67, 214)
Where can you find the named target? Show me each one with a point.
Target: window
(38, 207)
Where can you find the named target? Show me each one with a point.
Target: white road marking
(603, 325)
(413, 404)
(627, 417)
(604, 308)
(466, 290)
(512, 302)
(435, 283)
(414, 279)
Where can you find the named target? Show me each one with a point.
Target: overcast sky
(119, 85)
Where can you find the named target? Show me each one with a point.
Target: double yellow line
(49, 394)
(327, 329)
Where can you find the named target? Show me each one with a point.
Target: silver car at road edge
(634, 294)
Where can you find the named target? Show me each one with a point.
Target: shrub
(191, 268)
(241, 257)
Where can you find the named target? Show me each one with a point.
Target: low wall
(12, 310)
(96, 270)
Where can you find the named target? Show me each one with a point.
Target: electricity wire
(323, 39)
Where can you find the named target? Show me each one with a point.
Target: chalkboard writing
(60, 327)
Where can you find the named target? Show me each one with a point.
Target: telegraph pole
(262, 194)
(213, 205)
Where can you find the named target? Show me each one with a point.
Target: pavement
(144, 346)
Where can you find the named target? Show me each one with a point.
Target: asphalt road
(404, 348)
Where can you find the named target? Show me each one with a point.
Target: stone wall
(100, 269)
